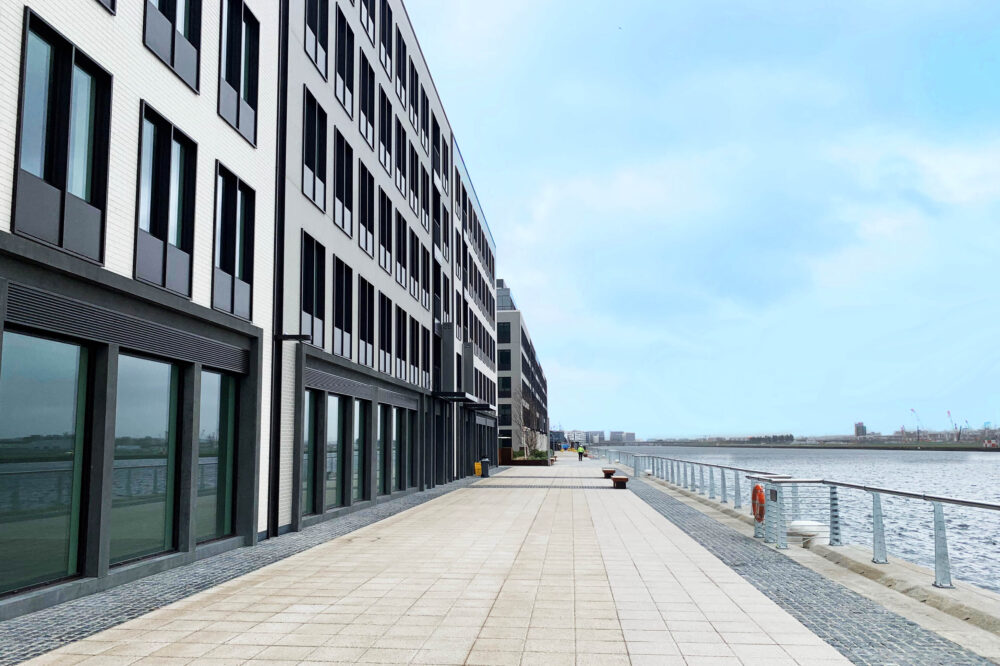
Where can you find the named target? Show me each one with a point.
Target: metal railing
(806, 509)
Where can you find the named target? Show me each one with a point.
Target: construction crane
(917, 417)
(958, 431)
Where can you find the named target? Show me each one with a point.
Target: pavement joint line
(857, 627)
(37, 633)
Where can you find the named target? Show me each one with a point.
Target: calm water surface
(973, 534)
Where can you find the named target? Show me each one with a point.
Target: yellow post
(479, 469)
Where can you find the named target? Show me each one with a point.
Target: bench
(608, 473)
(619, 482)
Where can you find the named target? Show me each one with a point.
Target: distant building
(523, 388)
(629, 436)
(859, 429)
(617, 436)
(576, 436)
(595, 436)
(557, 437)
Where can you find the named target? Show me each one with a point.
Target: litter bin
(486, 467)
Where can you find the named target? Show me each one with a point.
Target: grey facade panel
(39, 309)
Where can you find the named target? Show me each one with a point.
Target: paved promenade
(543, 565)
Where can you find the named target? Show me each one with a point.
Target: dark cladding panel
(46, 311)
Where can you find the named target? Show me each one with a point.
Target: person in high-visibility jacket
(580, 451)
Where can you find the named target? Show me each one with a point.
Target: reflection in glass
(143, 492)
(81, 134)
(175, 214)
(395, 457)
(384, 448)
(359, 451)
(334, 456)
(35, 119)
(149, 132)
(216, 457)
(309, 452)
(43, 403)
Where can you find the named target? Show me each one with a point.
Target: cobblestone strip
(862, 630)
(37, 633)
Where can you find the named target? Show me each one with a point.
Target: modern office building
(384, 383)
(523, 393)
(136, 245)
(245, 282)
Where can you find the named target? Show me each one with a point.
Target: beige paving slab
(506, 574)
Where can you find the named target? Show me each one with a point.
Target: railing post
(711, 483)
(834, 517)
(722, 473)
(779, 523)
(701, 479)
(942, 566)
(768, 515)
(737, 497)
(684, 469)
(796, 513)
(878, 531)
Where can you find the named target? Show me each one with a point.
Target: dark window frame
(343, 183)
(161, 165)
(154, 25)
(55, 185)
(219, 282)
(343, 85)
(320, 35)
(319, 146)
(237, 106)
(310, 246)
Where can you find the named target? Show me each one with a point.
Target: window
(414, 96)
(384, 231)
(313, 289)
(414, 351)
(504, 364)
(368, 19)
(366, 210)
(436, 146)
(425, 278)
(216, 479)
(344, 84)
(445, 152)
(143, 502)
(173, 32)
(414, 181)
(436, 217)
(234, 234)
(166, 205)
(400, 157)
(359, 451)
(63, 159)
(366, 323)
(343, 311)
(384, 131)
(401, 250)
(310, 444)
(503, 332)
(43, 397)
(425, 199)
(385, 36)
(504, 415)
(343, 204)
(314, 152)
(425, 357)
(366, 102)
(238, 79)
(399, 449)
(424, 117)
(333, 468)
(504, 386)
(400, 343)
(384, 334)
(414, 264)
(400, 67)
(317, 27)
(385, 428)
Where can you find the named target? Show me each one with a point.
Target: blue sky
(728, 217)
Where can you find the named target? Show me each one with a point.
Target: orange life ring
(757, 502)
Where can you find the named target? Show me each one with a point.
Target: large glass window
(216, 457)
(336, 417)
(384, 450)
(234, 231)
(172, 31)
(43, 403)
(238, 78)
(309, 445)
(359, 452)
(400, 452)
(143, 494)
(314, 152)
(317, 29)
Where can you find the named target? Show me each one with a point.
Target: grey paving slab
(37, 633)
(859, 628)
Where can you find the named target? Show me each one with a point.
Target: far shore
(807, 444)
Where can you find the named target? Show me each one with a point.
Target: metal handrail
(774, 530)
